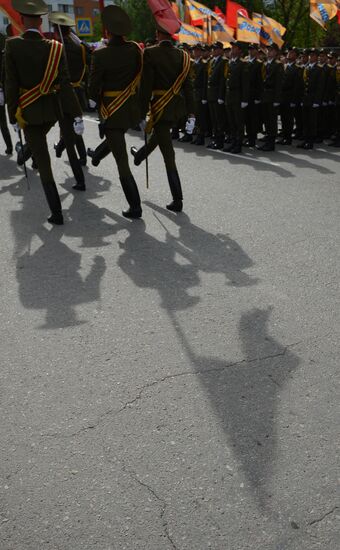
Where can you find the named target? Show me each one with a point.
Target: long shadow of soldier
(150, 263)
(246, 396)
(207, 252)
(49, 278)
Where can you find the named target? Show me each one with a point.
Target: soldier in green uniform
(215, 95)
(35, 90)
(166, 87)
(236, 97)
(313, 77)
(291, 95)
(273, 74)
(76, 57)
(335, 62)
(114, 79)
(255, 94)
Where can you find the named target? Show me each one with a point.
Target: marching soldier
(3, 118)
(35, 90)
(215, 95)
(273, 74)
(166, 83)
(291, 96)
(76, 54)
(114, 79)
(255, 94)
(335, 62)
(236, 97)
(332, 59)
(313, 91)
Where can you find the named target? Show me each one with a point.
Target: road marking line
(91, 120)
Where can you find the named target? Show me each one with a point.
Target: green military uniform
(291, 96)
(215, 98)
(255, 94)
(41, 114)
(273, 75)
(3, 118)
(163, 65)
(113, 70)
(236, 99)
(76, 65)
(313, 77)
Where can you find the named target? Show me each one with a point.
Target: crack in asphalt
(318, 520)
(162, 504)
(139, 395)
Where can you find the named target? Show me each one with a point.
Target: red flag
(164, 15)
(12, 15)
(219, 13)
(231, 9)
(339, 17)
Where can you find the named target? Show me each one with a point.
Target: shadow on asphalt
(251, 157)
(50, 276)
(244, 394)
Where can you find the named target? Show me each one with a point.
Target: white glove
(190, 125)
(2, 98)
(276, 104)
(324, 103)
(16, 127)
(257, 101)
(78, 126)
(204, 102)
(92, 104)
(142, 125)
(331, 103)
(220, 101)
(292, 105)
(315, 105)
(244, 104)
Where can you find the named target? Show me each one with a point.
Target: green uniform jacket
(237, 82)
(272, 84)
(314, 85)
(162, 65)
(200, 76)
(25, 61)
(113, 69)
(255, 80)
(75, 55)
(216, 78)
(292, 85)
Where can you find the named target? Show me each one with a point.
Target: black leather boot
(138, 155)
(132, 196)
(176, 191)
(53, 200)
(59, 148)
(80, 146)
(99, 153)
(23, 153)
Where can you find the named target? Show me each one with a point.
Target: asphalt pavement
(172, 382)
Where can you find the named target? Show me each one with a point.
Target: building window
(5, 20)
(79, 11)
(95, 12)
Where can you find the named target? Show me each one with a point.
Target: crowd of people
(224, 98)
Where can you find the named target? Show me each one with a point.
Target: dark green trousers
(4, 128)
(161, 137)
(115, 138)
(36, 139)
